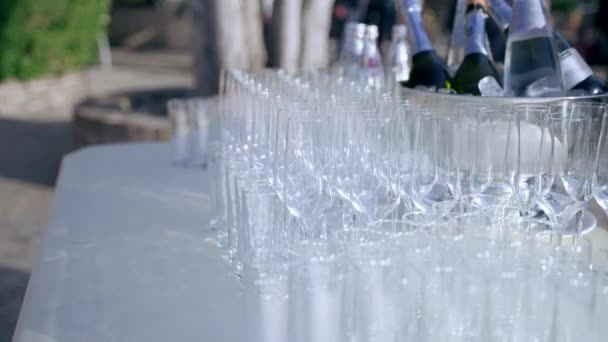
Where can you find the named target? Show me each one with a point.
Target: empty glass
(304, 191)
(571, 167)
(600, 175)
(353, 215)
(496, 172)
(536, 151)
(374, 186)
(435, 185)
(318, 294)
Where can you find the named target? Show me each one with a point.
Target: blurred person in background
(594, 39)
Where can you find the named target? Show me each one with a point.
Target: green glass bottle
(476, 64)
(428, 69)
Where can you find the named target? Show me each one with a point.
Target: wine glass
(305, 194)
(536, 150)
(468, 115)
(435, 184)
(570, 168)
(600, 174)
(496, 170)
(374, 187)
(406, 126)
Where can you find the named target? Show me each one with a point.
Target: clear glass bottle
(352, 51)
(371, 71)
(532, 67)
(576, 73)
(398, 62)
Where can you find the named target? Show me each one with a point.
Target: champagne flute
(600, 174)
(570, 168)
(536, 150)
(435, 183)
(496, 171)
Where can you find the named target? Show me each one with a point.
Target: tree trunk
(286, 28)
(226, 34)
(316, 24)
(254, 34)
(205, 60)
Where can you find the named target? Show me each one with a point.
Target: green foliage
(41, 37)
(564, 5)
(136, 2)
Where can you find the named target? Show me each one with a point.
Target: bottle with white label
(576, 73)
(532, 67)
(398, 61)
(371, 71)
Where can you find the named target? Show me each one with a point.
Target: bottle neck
(420, 38)
(560, 42)
(529, 17)
(398, 39)
(476, 32)
(501, 12)
(357, 46)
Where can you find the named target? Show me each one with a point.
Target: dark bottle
(428, 69)
(476, 64)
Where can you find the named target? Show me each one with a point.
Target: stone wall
(122, 117)
(26, 97)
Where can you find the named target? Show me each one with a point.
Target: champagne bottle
(476, 64)
(398, 61)
(532, 66)
(428, 69)
(456, 52)
(371, 72)
(497, 40)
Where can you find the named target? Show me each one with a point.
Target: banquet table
(127, 256)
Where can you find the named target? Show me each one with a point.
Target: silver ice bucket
(447, 103)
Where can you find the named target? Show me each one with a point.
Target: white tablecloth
(125, 256)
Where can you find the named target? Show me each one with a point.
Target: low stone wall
(133, 116)
(26, 97)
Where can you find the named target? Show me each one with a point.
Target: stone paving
(31, 148)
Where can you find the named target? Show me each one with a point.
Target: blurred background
(75, 73)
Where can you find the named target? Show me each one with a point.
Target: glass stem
(579, 225)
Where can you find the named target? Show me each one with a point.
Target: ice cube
(489, 86)
(543, 87)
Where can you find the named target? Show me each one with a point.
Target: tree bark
(316, 24)
(286, 28)
(254, 34)
(226, 34)
(205, 60)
